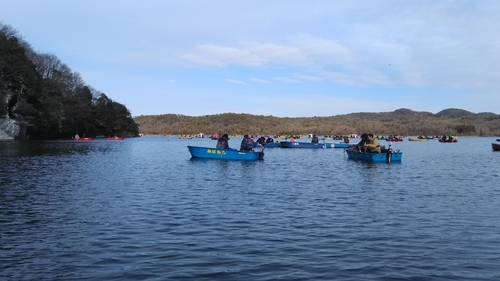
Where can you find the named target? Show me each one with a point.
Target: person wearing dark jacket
(247, 144)
(261, 140)
(315, 139)
(364, 138)
(222, 142)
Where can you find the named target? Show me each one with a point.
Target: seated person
(247, 144)
(315, 139)
(269, 139)
(222, 142)
(372, 145)
(364, 138)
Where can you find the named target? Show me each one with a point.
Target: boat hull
(375, 157)
(223, 154)
(271, 144)
(297, 144)
(417, 139)
(394, 140)
(495, 146)
(441, 140)
(340, 145)
(84, 139)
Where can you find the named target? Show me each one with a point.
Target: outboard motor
(388, 155)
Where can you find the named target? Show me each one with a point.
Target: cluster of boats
(92, 138)
(386, 155)
(444, 139)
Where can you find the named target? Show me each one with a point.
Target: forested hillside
(402, 121)
(49, 100)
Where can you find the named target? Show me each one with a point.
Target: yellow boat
(416, 139)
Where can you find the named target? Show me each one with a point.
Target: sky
(290, 58)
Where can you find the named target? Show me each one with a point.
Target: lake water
(142, 209)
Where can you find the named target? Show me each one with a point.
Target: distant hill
(454, 113)
(402, 121)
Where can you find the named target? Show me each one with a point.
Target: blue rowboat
(394, 156)
(271, 144)
(297, 144)
(225, 154)
(341, 145)
(336, 145)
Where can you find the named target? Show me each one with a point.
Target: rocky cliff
(10, 130)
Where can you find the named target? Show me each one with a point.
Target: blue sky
(281, 58)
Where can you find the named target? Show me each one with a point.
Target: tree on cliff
(44, 94)
(19, 81)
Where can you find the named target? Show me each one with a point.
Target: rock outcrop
(10, 130)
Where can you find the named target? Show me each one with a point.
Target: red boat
(394, 140)
(84, 139)
(453, 140)
(115, 138)
(495, 146)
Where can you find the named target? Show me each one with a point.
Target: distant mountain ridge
(454, 113)
(402, 121)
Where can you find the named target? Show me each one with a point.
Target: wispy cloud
(259, 80)
(229, 55)
(235, 81)
(204, 60)
(288, 80)
(308, 77)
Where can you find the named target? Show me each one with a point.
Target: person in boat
(444, 137)
(315, 139)
(372, 145)
(247, 144)
(261, 140)
(269, 139)
(346, 139)
(77, 136)
(222, 142)
(364, 139)
(361, 144)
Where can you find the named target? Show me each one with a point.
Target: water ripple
(141, 209)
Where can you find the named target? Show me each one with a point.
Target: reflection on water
(142, 209)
